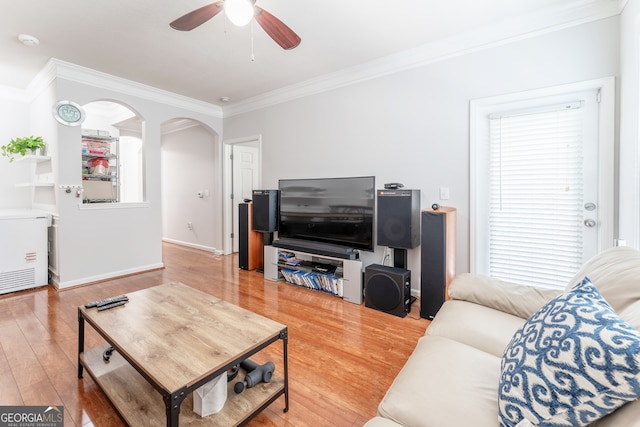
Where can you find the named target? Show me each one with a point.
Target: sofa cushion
(627, 416)
(572, 362)
(616, 274)
(444, 383)
(481, 327)
(381, 422)
(631, 315)
(518, 300)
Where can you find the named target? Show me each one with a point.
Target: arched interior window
(112, 154)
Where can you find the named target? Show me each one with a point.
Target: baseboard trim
(102, 277)
(192, 245)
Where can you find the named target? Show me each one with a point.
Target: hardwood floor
(342, 356)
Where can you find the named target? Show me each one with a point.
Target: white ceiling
(132, 38)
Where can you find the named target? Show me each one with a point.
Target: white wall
(14, 123)
(413, 126)
(190, 164)
(106, 240)
(629, 163)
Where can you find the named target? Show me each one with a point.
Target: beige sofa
(452, 378)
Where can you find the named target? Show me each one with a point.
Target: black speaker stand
(267, 238)
(400, 258)
(400, 261)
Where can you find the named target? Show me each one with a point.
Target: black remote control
(112, 305)
(101, 302)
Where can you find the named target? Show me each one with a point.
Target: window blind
(536, 195)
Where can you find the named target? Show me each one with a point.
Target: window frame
(480, 109)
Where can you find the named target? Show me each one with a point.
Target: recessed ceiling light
(225, 99)
(28, 40)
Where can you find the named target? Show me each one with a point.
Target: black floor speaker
(399, 218)
(437, 258)
(265, 210)
(387, 289)
(250, 243)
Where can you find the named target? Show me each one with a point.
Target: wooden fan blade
(197, 17)
(276, 29)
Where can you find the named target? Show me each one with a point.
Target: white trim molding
(101, 277)
(227, 191)
(56, 68)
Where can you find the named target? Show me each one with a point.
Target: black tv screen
(330, 210)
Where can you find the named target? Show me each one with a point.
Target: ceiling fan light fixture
(239, 12)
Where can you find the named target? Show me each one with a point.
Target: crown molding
(56, 68)
(560, 17)
(14, 94)
(177, 125)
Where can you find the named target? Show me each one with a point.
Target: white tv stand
(350, 270)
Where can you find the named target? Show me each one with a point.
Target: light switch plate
(444, 193)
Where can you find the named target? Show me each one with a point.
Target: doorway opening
(243, 174)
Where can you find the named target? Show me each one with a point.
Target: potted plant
(22, 146)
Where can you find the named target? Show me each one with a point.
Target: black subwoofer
(387, 289)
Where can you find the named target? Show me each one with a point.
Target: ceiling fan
(275, 28)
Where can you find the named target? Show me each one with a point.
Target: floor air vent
(19, 279)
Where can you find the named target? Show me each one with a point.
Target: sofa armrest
(512, 298)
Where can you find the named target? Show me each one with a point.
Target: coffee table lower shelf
(140, 404)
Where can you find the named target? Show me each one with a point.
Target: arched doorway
(191, 184)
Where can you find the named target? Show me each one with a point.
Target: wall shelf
(40, 176)
(35, 184)
(32, 158)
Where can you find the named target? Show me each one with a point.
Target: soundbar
(317, 248)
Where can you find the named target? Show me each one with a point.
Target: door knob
(589, 206)
(589, 223)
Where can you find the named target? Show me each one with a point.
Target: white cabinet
(337, 276)
(23, 249)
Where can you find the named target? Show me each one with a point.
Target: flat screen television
(338, 211)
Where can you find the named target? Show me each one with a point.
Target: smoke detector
(28, 40)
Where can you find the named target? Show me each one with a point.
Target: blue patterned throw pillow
(571, 363)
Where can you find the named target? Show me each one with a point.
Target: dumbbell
(255, 374)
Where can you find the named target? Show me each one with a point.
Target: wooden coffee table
(168, 341)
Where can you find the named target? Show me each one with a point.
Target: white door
(537, 188)
(246, 178)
